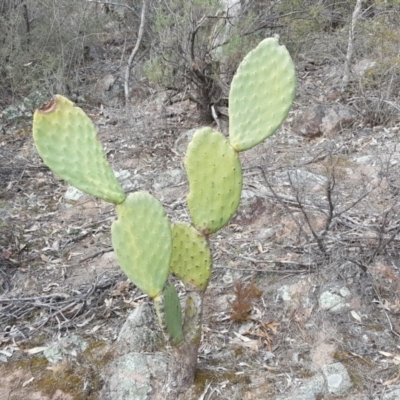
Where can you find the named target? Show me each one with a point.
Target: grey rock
(108, 89)
(301, 178)
(183, 140)
(309, 390)
(252, 206)
(122, 174)
(284, 293)
(332, 302)
(138, 371)
(299, 396)
(132, 376)
(139, 332)
(123, 177)
(344, 292)
(337, 378)
(168, 178)
(69, 346)
(393, 395)
(266, 233)
(313, 386)
(363, 66)
(321, 120)
(73, 194)
(366, 160)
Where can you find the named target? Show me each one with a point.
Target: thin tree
(349, 55)
(134, 51)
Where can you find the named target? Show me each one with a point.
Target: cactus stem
(184, 358)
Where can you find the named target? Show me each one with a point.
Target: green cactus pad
(66, 139)
(262, 92)
(191, 256)
(173, 315)
(215, 179)
(142, 241)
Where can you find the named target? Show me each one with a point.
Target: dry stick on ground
(51, 306)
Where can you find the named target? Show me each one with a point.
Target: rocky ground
(314, 247)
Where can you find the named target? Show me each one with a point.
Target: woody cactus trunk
(147, 247)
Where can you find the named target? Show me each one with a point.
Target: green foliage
(379, 40)
(158, 72)
(42, 43)
(199, 47)
(301, 21)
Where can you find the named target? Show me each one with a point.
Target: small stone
(344, 292)
(67, 346)
(168, 178)
(337, 378)
(73, 194)
(122, 174)
(332, 302)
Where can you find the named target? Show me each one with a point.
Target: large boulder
(323, 120)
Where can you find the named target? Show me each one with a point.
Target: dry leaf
(355, 316)
(121, 289)
(269, 368)
(28, 381)
(108, 302)
(57, 368)
(35, 350)
(250, 344)
(386, 354)
(241, 337)
(391, 381)
(271, 326)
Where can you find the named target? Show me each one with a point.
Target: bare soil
(58, 274)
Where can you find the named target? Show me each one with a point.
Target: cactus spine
(146, 248)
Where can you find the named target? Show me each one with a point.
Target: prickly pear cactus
(261, 95)
(262, 92)
(66, 139)
(191, 256)
(142, 242)
(215, 178)
(173, 315)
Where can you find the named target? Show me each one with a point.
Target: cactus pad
(215, 179)
(173, 315)
(262, 92)
(142, 241)
(191, 256)
(66, 139)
